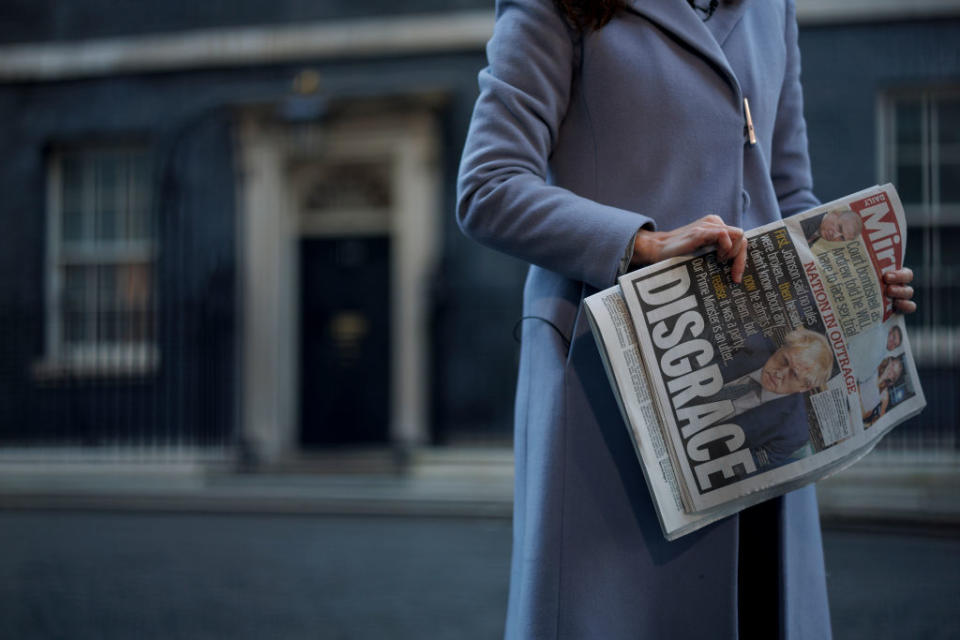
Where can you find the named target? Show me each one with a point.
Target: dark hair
(899, 334)
(883, 365)
(583, 14)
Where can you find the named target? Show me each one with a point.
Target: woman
(604, 132)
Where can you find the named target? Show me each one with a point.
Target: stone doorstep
(426, 483)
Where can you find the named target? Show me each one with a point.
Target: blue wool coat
(575, 143)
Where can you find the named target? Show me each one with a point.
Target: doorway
(339, 239)
(345, 341)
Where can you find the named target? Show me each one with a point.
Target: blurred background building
(228, 228)
(227, 242)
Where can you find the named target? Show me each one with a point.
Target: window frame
(933, 345)
(931, 212)
(91, 358)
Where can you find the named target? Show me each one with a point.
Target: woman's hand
(899, 290)
(654, 246)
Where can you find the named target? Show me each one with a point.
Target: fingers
(724, 243)
(899, 276)
(900, 291)
(731, 243)
(698, 234)
(739, 260)
(708, 230)
(904, 306)
(725, 237)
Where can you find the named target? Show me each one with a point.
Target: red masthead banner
(882, 235)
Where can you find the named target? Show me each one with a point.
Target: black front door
(345, 340)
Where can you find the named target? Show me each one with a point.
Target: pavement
(358, 545)
(118, 575)
(115, 575)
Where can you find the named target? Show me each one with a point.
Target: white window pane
(72, 198)
(948, 121)
(107, 327)
(71, 172)
(75, 328)
(108, 195)
(71, 225)
(909, 122)
(138, 204)
(107, 288)
(138, 224)
(108, 306)
(75, 288)
(909, 181)
(135, 286)
(937, 281)
(107, 223)
(136, 296)
(78, 283)
(949, 175)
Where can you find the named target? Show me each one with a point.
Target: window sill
(936, 346)
(136, 364)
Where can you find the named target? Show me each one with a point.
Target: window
(101, 251)
(921, 156)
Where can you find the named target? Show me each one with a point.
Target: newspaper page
(847, 273)
(795, 372)
(620, 352)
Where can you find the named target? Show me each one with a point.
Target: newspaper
(737, 392)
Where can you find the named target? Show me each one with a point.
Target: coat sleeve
(790, 160)
(504, 196)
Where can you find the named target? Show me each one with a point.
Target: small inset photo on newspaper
(839, 225)
(881, 369)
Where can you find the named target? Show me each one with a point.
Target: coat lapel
(677, 18)
(726, 18)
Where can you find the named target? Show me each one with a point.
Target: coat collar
(676, 17)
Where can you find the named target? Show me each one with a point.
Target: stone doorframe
(269, 228)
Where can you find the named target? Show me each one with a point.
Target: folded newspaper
(736, 393)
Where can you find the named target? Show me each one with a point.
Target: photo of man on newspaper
(894, 337)
(837, 225)
(766, 387)
(880, 369)
(884, 390)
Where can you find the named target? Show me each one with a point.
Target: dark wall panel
(845, 69)
(55, 20)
